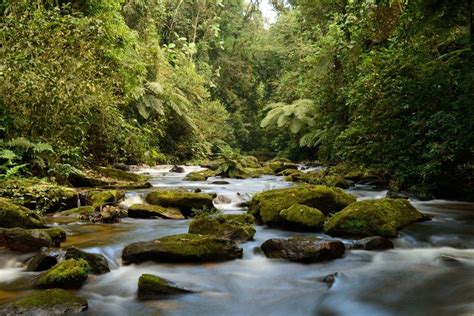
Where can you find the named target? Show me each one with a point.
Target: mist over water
(411, 279)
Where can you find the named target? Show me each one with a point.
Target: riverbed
(430, 271)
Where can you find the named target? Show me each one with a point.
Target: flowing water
(412, 279)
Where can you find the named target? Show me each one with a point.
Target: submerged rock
(373, 243)
(182, 248)
(19, 239)
(302, 217)
(185, 201)
(268, 204)
(382, 217)
(47, 302)
(45, 259)
(177, 169)
(153, 211)
(238, 228)
(152, 287)
(69, 274)
(97, 262)
(303, 249)
(199, 175)
(12, 215)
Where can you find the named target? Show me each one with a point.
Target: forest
(107, 104)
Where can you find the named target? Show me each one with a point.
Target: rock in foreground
(19, 239)
(182, 248)
(238, 228)
(69, 274)
(153, 211)
(151, 287)
(382, 217)
(303, 249)
(12, 215)
(47, 302)
(268, 205)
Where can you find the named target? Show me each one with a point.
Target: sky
(268, 11)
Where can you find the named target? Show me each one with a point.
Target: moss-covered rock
(382, 217)
(151, 287)
(238, 228)
(97, 262)
(12, 215)
(39, 195)
(292, 173)
(358, 173)
(373, 243)
(102, 197)
(200, 175)
(47, 302)
(257, 172)
(121, 175)
(69, 274)
(303, 216)
(24, 240)
(57, 234)
(303, 249)
(82, 212)
(319, 177)
(278, 165)
(185, 201)
(107, 214)
(268, 205)
(153, 211)
(182, 248)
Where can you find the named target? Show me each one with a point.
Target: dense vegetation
(378, 84)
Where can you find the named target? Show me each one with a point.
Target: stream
(411, 279)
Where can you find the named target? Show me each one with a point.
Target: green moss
(121, 175)
(19, 239)
(152, 286)
(57, 234)
(303, 216)
(12, 215)
(69, 274)
(257, 172)
(50, 301)
(38, 195)
(234, 227)
(199, 175)
(268, 205)
(382, 217)
(290, 172)
(280, 165)
(148, 210)
(97, 198)
(83, 211)
(185, 201)
(318, 177)
(357, 172)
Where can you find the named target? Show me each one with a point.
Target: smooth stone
(152, 287)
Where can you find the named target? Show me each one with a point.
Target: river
(412, 279)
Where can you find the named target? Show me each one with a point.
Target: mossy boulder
(121, 175)
(97, 262)
(319, 177)
(153, 211)
(103, 197)
(257, 172)
(82, 212)
(279, 166)
(39, 195)
(200, 175)
(151, 287)
(12, 215)
(69, 274)
(57, 234)
(373, 243)
(46, 302)
(24, 240)
(383, 217)
(182, 248)
(303, 249)
(303, 217)
(267, 205)
(238, 228)
(184, 201)
(359, 173)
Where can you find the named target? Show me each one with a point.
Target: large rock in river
(303, 249)
(45, 259)
(152, 286)
(69, 274)
(153, 211)
(185, 201)
(382, 217)
(97, 262)
(47, 302)
(182, 248)
(268, 204)
(235, 227)
(303, 217)
(19, 239)
(12, 215)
